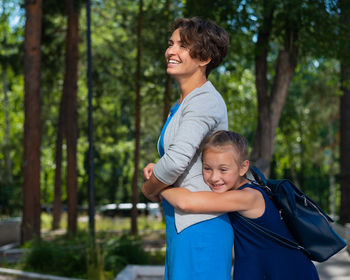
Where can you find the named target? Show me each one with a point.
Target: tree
(31, 162)
(57, 203)
(344, 216)
(52, 65)
(54, 35)
(270, 105)
(8, 169)
(67, 111)
(70, 93)
(135, 187)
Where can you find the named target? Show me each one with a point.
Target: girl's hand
(148, 170)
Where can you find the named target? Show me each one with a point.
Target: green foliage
(126, 250)
(238, 91)
(11, 110)
(307, 142)
(95, 263)
(78, 258)
(59, 257)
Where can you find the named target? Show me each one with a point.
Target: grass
(103, 223)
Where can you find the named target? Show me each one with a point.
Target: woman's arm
(200, 114)
(152, 188)
(148, 170)
(209, 202)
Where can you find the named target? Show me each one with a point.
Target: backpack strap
(270, 234)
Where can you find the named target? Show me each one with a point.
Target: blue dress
(258, 257)
(202, 251)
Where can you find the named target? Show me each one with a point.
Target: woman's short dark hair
(205, 39)
(223, 138)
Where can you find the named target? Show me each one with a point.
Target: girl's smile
(221, 170)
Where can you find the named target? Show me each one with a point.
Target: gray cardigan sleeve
(199, 117)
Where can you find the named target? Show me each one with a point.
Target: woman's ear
(204, 62)
(244, 168)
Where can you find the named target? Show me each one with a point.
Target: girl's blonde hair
(223, 138)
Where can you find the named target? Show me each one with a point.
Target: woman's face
(179, 61)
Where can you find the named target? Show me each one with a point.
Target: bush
(72, 258)
(58, 258)
(126, 250)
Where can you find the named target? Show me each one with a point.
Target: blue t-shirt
(172, 112)
(191, 253)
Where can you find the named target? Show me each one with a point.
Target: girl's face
(179, 61)
(221, 169)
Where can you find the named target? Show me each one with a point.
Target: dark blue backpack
(307, 222)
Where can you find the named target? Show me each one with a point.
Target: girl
(225, 163)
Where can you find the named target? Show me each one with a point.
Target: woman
(199, 246)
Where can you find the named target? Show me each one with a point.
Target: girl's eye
(206, 168)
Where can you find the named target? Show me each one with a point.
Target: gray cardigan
(201, 113)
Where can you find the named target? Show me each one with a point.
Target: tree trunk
(344, 215)
(8, 179)
(332, 185)
(70, 90)
(262, 138)
(270, 106)
(135, 187)
(57, 203)
(301, 174)
(31, 165)
(8, 164)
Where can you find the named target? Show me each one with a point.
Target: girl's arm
(209, 202)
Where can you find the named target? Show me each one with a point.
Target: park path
(336, 268)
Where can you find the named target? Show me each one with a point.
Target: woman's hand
(148, 170)
(152, 187)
